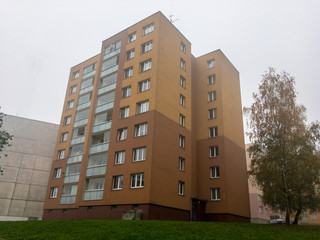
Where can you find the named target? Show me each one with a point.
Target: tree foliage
(5, 138)
(284, 151)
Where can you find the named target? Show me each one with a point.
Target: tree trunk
(287, 218)
(296, 218)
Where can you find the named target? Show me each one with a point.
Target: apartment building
(147, 127)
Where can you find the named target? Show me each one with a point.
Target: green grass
(117, 229)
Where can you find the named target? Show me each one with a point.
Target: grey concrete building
(26, 172)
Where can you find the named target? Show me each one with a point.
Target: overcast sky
(40, 40)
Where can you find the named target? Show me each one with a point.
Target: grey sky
(40, 40)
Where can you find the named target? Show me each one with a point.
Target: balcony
(101, 127)
(74, 159)
(107, 88)
(83, 105)
(89, 74)
(104, 107)
(111, 54)
(96, 170)
(94, 194)
(102, 147)
(71, 178)
(77, 140)
(109, 70)
(81, 122)
(68, 199)
(85, 90)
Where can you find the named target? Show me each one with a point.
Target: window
(130, 54)
(132, 37)
(211, 63)
(76, 150)
(215, 194)
(143, 107)
(122, 134)
(64, 137)
(182, 82)
(139, 154)
(103, 117)
(110, 63)
(182, 120)
(144, 85)
(112, 48)
(146, 65)
(182, 64)
(213, 132)
(214, 151)
(183, 47)
(148, 29)
(211, 96)
(73, 169)
(128, 72)
(73, 89)
(117, 182)
(146, 47)
(100, 138)
(70, 104)
(120, 156)
(260, 209)
(212, 113)
(67, 120)
(95, 184)
(211, 79)
(61, 154)
(137, 180)
(57, 173)
(181, 163)
(84, 98)
(108, 80)
(140, 129)
(259, 198)
(266, 211)
(98, 160)
(103, 99)
(181, 188)
(53, 192)
(89, 69)
(76, 74)
(181, 141)
(124, 112)
(214, 172)
(126, 92)
(86, 83)
(182, 100)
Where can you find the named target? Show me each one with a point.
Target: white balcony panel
(78, 140)
(96, 170)
(85, 90)
(80, 122)
(109, 70)
(89, 74)
(102, 147)
(71, 178)
(101, 127)
(94, 194)
(73, 159)
(104, 107)
(70, 199)
(107, 88)
(84, 105)
(111, 54)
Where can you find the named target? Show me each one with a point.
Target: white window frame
(146, 47)
(212, 113)
(211, 79)
(120, 157)
(61, 154)
(214, 151)
(182, 100)
(182, 64)
(139, 154)
(182, 120)
(73, 89)
(130, 54)
(132, 37)
(143, 85)
(145, 65)
(148, 29)
(140, 129)
(126, 92)
(53, 192)
(181, 163)
(76, 75)
(182, 140)
(137, 180)
(183, 47)
(57, 172)
(64, 137)
(211, 63)
(215, 172)
(122, 134)
(213, 132)
(70, 104)
(182, 82)
(181, 188)
(128, 72)
(67, 120)
(212, 96)
(215, 194)
(142, 107)
(124, 112)
(117, 182)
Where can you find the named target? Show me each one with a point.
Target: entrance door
(198, 210)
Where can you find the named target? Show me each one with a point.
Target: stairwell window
(146, 65)
(182, 64)
(214, 151)
(212, 96)
(181, 163)
(61, 154)
(214, 172)
(211, 79)
(215, 194)
(181, 141)
(183, 47)
(212, 113)
(211, 63)
(182, 82)
(53, 192)
(181, 188)
(148, 29)
(213, 132)
(64, 137)
(57, 173)
(182, 120)
(182, 100)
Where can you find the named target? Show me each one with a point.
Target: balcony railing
(96, 170)
(101, 127)
(111, 54)
(80, 122)
(74, 159)
(104, 107)
(89, 74)
(68, 199)
(85, 90)
(102, 147)
(78, 140)
(109, 70)
(83, 105)
(107, 88)
(94, 194)
(71, 178)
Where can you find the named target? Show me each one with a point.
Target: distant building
(24, 181)
(147, 127)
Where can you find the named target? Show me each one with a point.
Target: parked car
(277, 221)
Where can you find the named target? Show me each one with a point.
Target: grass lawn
(117, 229)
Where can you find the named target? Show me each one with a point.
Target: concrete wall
(26, 168)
